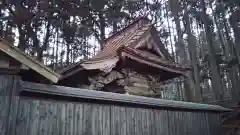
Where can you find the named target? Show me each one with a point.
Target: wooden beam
(105, 96)
(28, 61)
(146, 94)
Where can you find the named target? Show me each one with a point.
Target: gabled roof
(117, 40)
(26, 60)
(153, 60)
(129, 41)
(128, 36)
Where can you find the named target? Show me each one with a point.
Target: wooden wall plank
(171, 122)
(34, 117)
(49, 117)
(13, 107)
(22, 121)
(123, 121)
(138, 121)
(106, 120)
(181, 125)
(4, 101)
(30, 116)
(115, 124)
(58, 118)
(100, 120)
(94, 119)
(202, 124)
(152, 122)
(190, 123)
(213, 123)
(86, 117)
(39, 117)
(130, 115)
(70, 118)
(219, 123)
(54, 118)
(161, 122)
(144, 122)
(196, 122)
(6, 87)
(78, 124)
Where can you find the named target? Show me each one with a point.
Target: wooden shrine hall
(133, 61)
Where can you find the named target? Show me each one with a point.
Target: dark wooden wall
(8, 102)
(36, 114)
(39, 117)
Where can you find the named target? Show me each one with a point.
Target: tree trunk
(68, 54)
(233, 73)
(46, 40)
(114, 26)
(21, 44)
(170, 35)
(56, 64)
(234, 18)
(216, 78)
(102, 30)
(193, 88)
(194, 61)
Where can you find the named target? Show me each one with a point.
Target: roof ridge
(126, 27)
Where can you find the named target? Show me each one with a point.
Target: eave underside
(119, 79)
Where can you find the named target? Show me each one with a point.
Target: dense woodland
(205, 34)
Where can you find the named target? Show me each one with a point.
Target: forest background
(204, 34)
